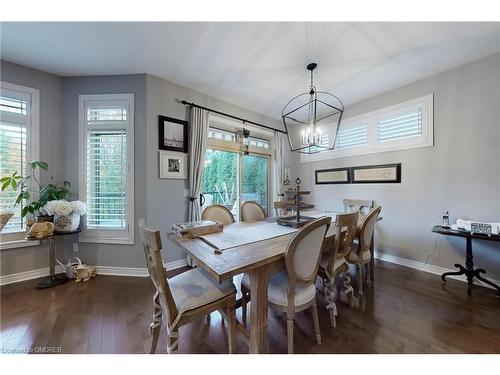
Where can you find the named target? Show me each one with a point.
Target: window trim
(103, 235)
(372, 146)
(13, 240)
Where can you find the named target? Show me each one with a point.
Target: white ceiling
(259, 66)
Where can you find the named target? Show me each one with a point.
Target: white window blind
(256, 142)
(108, 175)
(352, 137)
(400, 126)
(14, 126)
(223, 135)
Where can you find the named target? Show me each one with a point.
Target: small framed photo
(172, 134)
(173, 165)
(332, 176)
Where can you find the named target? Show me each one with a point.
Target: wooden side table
(53, 279)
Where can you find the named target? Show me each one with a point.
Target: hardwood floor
(407, 311)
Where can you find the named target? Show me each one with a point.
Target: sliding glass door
(231, 178)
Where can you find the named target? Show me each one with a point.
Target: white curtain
(197, 146)
(278, 166)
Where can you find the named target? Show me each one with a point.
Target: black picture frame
(396, 180)
(178, 127)
(320, 171)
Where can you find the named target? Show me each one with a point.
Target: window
(106, 169)
(19, 124)
(403, 126)
(234, 174)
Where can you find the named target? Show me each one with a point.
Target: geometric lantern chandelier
(312, 119)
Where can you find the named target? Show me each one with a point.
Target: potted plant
(24, 185)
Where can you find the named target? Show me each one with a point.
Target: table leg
(259, 279)
(52, 280)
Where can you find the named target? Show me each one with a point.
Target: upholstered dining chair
(333, 261)
(185, 297)
(362, 252)
(218, 212)
(252, 211)
(294, 289)
(361, 205)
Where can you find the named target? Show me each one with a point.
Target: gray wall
(461, 173)
(51, 149)
(166, 204)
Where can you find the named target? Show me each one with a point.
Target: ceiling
(259, 66)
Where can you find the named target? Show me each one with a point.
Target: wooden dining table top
(239, 259)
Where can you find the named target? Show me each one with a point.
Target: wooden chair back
(345, 232)
(366, 231)
(151, 241)
(252, 211)
(217, 212)
(360, 205)
(304, 251)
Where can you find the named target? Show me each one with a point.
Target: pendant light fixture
(312, 119)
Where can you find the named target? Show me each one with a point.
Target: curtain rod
(245, 121)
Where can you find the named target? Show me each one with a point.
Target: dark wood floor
(407, 311)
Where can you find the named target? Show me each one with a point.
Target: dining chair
(294, 289)
(334, 263)
(218, 212)
(252, 211)
(362, 252)
(185, 297)
(361, 205)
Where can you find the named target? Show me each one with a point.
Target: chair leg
(173, 341)
(289, 333)
(369, 274)
(317, 331)
(231, 325)
(372, 270)
(330, 299)
(244, 301)
(348, 291)
(360, 279)
(155, 326)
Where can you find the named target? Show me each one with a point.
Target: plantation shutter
(14, 129)
(403, 125)
(107, 166)
(351, 137)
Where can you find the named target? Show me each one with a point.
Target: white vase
(66, 223)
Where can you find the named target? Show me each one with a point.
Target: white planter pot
(66, 223)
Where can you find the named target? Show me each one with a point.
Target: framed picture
(386, 173)
(173, 165)
(332, 176)
(172, 134)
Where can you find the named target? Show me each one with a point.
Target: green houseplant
(46, 193)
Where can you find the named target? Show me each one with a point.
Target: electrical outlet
(75, 247)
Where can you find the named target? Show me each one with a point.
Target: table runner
(238, 234)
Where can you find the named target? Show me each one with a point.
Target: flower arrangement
(64, 208)
(66, 214)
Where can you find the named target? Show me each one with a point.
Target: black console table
(468, 270)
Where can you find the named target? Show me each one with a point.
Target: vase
(66, 223)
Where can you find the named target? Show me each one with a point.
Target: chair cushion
(278, 289)
(353, 255)
(195, 288)
(336, 265)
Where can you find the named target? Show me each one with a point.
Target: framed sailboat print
(172, 134)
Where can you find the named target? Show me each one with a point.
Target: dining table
(258, 257)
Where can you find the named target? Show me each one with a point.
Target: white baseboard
(428, 268)
(100, 270)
